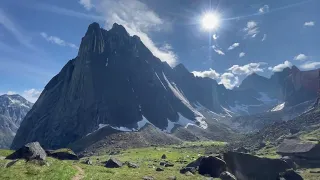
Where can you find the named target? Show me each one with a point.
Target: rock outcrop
(246, 166)
(30, 151)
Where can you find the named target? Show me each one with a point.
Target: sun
(210, 21)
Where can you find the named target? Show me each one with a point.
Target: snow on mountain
(279, 107)
(13, 108)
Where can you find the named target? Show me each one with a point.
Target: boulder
(188, 173)
(172, 178)
(289, 161)
(148, 178)
(163, 156)
(159, 169)
(132, 165)
(63, 154)
(246, 166)
(227, 176)
(30, 151)
(188, 169)
(88, 162)
(195, 163)
(168, 164)
(212, 166)
(290, 175)
(113, 163)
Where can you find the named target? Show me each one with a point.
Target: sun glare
(210, 21)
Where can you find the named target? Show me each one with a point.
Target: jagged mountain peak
(93, 28)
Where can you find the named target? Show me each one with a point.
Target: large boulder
(227, 176)
(30, 151)
(246, 166)
(63, 154)
(212, 166)
(290, 175)
(113, 163)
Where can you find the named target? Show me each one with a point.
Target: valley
(116, 111)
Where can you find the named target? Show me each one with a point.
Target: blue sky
(38, 37)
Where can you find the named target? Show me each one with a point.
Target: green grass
(22, 170)
(313, 135)
(5, 152)
(306, 174)
(268, 152)
(147, 158)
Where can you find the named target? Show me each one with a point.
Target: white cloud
(251, 29)
(264, 9)
(12, 27)
(218, 51)
(280, 67)
(9, 93)
(87, 4)
(242, 54)
(31, 95)
(310, 65)
(310, 23)
(57, 40)
(67, 12)
(138, 19)
(264, 37)
(301, 57)
(229, 80)
(234, 45)
(210, 73)
(247, 69)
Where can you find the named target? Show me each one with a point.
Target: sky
(37, 38)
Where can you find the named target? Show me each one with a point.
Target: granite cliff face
(13, 108)
(114, 81)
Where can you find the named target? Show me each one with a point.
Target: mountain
(114, 81)
(13, 108)
(290, 86)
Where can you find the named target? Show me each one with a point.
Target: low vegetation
(148, 160)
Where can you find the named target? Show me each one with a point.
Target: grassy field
(147, 158)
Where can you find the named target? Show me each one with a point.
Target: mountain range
(116, 83)
(13, 108)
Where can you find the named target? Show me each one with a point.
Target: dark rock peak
(119, 29)
(181, 68)
(93, 28)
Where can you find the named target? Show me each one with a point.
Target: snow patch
(160, 81)
(143, 122)
(278, 107)
(179, 94)
(170, 126)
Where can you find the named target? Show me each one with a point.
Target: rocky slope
(13, 108)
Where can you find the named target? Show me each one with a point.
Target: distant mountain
(13, 108)
(116, 83)
(290, 86)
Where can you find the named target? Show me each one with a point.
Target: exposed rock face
(245, 166)
(13, 108)
(290, 85)
(30, 151)
(212, 166)
(115, 80)
(63, 154)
